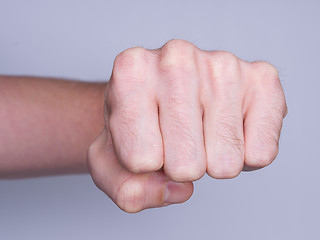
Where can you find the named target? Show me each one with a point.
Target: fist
(186, 112)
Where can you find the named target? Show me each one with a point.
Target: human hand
(185, 112)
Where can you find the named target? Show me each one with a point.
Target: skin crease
(170, 116)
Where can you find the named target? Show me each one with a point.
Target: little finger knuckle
(266, 75)
(261, 158)
(263, 151)
(265, 68)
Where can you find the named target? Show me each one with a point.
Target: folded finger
(132, 192)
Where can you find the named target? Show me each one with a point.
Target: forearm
(46, 125)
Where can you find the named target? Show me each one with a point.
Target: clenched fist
(174, 113)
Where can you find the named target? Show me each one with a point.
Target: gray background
(79, 39)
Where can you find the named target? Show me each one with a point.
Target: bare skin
(178, 112)
(171, 115)
(47, 125)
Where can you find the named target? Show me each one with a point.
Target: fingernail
(174, 193)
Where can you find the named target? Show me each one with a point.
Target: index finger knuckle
(129, 67)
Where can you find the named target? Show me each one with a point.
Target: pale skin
(171, 115)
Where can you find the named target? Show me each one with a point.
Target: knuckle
(130, 57)
(223, 59)
(261, 158)
(129, 65)
(177, 56)
(189, 158)
(266, 74)
(227, 168)
(186, 172)
(265, 78)
(128, 80)
(265, 148)
(142, 163)
(177, 45)
(137, 152)
(228, 157)
(131, 196)
(265, 68)
(230, 136)
(224, 67)
(184, 158)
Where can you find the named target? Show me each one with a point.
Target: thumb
(131, 192)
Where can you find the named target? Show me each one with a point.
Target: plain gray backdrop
(80, 39)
